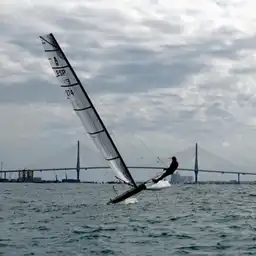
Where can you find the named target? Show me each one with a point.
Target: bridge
(188, 158)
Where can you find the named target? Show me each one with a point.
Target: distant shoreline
(116, 183)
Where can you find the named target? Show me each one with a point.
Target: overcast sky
(163, 74)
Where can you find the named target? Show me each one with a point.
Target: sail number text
(60, 72)
(69, 92)
(54, 61)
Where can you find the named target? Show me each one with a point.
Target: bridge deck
(130, 167)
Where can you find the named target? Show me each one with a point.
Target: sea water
(73, 219)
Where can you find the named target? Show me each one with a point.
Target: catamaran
(91, 120)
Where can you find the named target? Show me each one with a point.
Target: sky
(163, 75)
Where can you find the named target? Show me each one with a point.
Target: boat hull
(128, 194)
(158, 186)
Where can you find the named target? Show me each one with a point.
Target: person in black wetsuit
(168, 171)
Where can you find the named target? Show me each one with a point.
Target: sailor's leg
(167, 173)
(161, 177)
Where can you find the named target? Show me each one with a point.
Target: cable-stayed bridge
(194, 160)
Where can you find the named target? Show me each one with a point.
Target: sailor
(168, 171)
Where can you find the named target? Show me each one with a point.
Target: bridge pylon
(78, 162)
(196, 164)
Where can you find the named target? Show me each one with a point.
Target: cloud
(171, 74)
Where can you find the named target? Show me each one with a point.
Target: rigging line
(115, 190)
(152, 153)
(157, 158)
(150, 150)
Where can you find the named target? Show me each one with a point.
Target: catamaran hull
(128, 194)
(158, 186)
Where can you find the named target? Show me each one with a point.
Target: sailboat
(91, 120)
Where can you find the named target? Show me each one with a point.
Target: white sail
(84, 108)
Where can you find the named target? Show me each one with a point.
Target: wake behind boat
(91, 120)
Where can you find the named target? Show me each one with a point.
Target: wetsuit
(168, 171)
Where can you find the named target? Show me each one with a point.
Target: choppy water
(73, 219)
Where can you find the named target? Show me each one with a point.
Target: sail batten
(84, 108)
(60, 67)
(69, 85)
(81, 109)
(51, 50)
